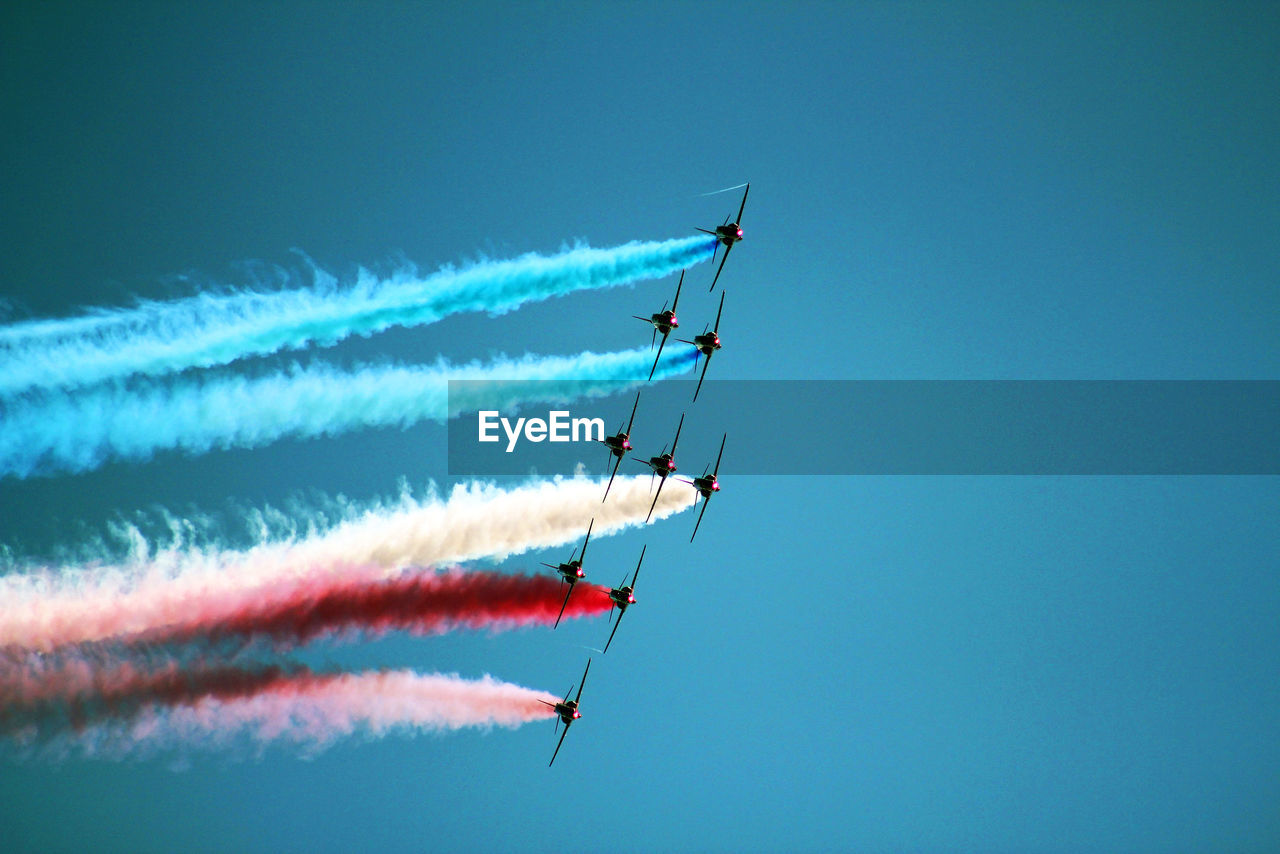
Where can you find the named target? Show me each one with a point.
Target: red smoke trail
(421, 603)
(33, 690)
(297, 609)
(126, 706)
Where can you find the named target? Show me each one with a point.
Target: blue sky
(994, 191)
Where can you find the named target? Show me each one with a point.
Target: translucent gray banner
(1024, 427)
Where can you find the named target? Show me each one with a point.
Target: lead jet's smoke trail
(119, 709)
(78, 432)
(156, 338)
(293, 611)
(41, 608)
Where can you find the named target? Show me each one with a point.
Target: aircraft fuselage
(618, 445)
(663, 465)
(568, 712)
(622, 597)
(707, 342)
(571, 571)
(729, 234)
(664, 321)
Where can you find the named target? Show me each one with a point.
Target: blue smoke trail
(57, 431)
(204, 331)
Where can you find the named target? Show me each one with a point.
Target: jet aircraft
(707, 343)
(619, 444)
(572, 571)
(728, 234)
(707, 486)
(624, 596)
(567, 711)
(664, 321)
(662, 465)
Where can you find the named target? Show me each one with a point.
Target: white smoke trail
(42, 609)
(116, 711)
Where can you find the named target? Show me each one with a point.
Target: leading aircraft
(707, 343)
(664, 321)
(728, 234)
(567, 711)
(662, 465)
(707, 486)
(622, 597)
(619, 444)
(572, 571)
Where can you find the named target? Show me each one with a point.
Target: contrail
(725, 190)
(161, 337)
(56, 431)
(42, 609)
(117, 710)
(293, 611)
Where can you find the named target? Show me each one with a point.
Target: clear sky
(939, 191)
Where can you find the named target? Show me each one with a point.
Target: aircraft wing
(705, 365)
(655, 498)
(659, 356)
(637, 575)
(616, 623)
(723, 258)
(562, 604)
(616, 463)
(634, 406)
(705, 501)
(587, 540)
(558, 743)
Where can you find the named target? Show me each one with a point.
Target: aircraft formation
(662, 466)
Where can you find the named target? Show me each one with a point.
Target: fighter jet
(619, 444)
(572, 571)
(622, 597)
(567, 711)
(662, 465)
(728, 234)
(707, 343)
(664, 321)
(707, 486)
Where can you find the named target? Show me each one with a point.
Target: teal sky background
(939, 191)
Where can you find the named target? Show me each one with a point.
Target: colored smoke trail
(79, 432)
(293, 611)
(41, 609)
(420, 603)
(481, 521)
(156, 337)
(122, 708)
